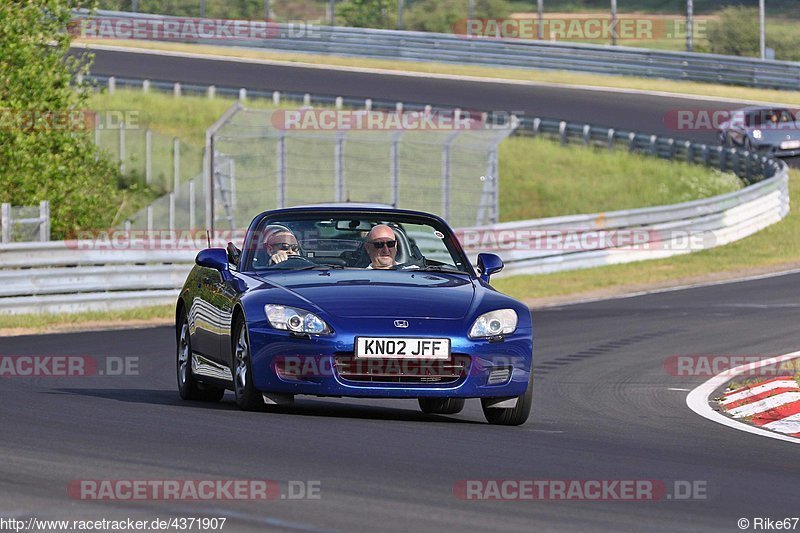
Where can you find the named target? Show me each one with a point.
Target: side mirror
(216, 258)
(489, 264)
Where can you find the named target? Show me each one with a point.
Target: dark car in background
(771, 131)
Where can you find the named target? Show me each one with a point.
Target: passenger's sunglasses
(380, 244)
(285, 246)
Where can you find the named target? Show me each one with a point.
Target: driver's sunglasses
(380, 244)
(285, 246)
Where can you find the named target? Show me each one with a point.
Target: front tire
(441, 406)
(188, 387)
(247, 397)
(511, 416)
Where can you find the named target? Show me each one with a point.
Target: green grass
(776, 246)
(46, 321)
(539, 178)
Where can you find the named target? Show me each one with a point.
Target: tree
(46, 148)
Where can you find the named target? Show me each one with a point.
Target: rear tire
(441, 406)
(188, 387)
(511, 416)
(247, 397)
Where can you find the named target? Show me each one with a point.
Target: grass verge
(540, 76)
(773, 248)
(48, 323)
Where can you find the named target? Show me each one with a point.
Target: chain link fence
(260, 163)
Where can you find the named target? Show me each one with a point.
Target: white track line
(755, 391)
(698, 399)
(389, 72)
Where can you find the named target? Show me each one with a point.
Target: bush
(441, 15)
(41, 158)
(737, 33)
(366, 13)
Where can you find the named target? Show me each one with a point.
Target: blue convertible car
(353, 301)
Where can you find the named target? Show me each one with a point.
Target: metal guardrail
(513, 53)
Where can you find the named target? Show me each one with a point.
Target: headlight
(756, 134)
(295, 320)
(500, 322)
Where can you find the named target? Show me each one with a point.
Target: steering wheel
(293, 261)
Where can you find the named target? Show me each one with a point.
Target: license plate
(402, 348)
(790, 145)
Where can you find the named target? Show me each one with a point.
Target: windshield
(340, 240)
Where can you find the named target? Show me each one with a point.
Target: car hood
(375, 293)
(776, 136)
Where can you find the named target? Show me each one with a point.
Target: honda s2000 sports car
(354, 301)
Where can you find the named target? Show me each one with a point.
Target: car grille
(401, 370)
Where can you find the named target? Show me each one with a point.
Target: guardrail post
(148, 156)
(671, 143)
(587, 131)
(306, 100)
(211, 92)
(610, 141)
(654, 144)
(338, 102)
(562, 132)
(427, 110)
(368, 104)
(446, 171)
(632, 141)
(145, 86)
(706, 154)
(242, 95)
(122, 147)
(338, 167)
(5, 222)
(537, 123)
(276, 98)
(112, 85)
(176, 164)
(44, 224)
(172, 211)
(192, 201)
(722, 156)
(281, 171)
(394, 167)
(689, 151)
(176, 90)
(398, 108)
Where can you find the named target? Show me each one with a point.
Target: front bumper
(313, 368)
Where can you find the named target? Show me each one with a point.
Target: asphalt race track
(603, 409)
(643, 113)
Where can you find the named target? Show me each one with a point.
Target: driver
(280, 244)
(381, 247)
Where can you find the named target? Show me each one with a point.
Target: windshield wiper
(320, 267)
(441, 268)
